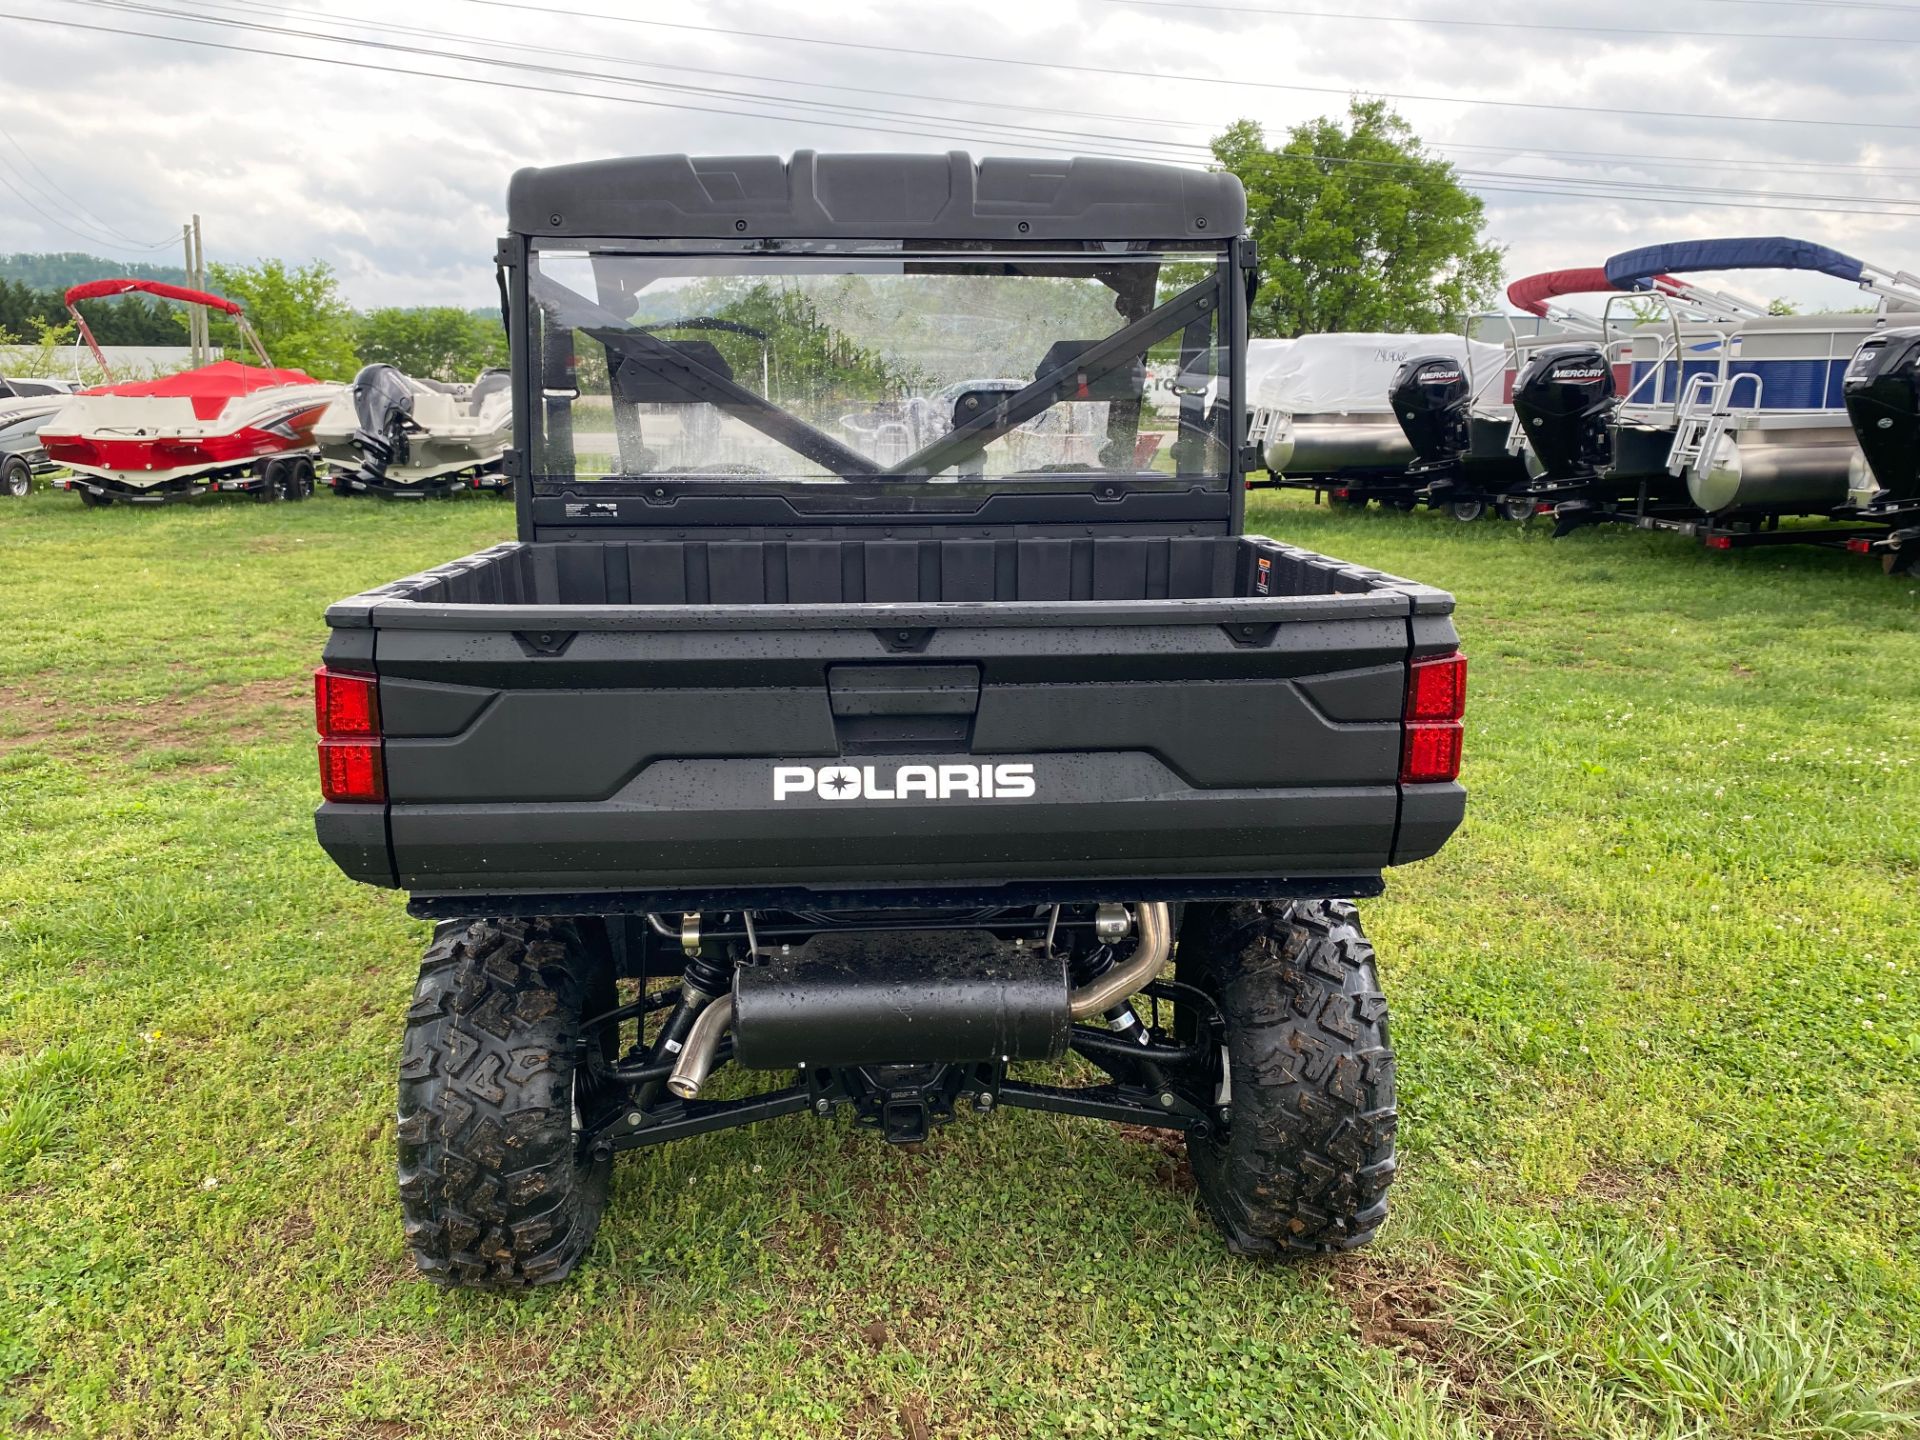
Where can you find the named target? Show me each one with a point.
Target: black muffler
(913, 997)
(900, 997)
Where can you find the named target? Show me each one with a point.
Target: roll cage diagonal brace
(701, 383)
(1097, 361)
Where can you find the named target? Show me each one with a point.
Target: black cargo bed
(1199, 715)
(865, 572)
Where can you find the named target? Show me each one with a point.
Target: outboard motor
(1430, 398)
(1564, 398)
(383, 403)
(1882, 390)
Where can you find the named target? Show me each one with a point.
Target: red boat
(224, 426)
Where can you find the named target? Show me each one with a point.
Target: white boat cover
(1349, 374)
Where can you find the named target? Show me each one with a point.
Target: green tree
(1359, 227)
(298, 314)
(435, 343)
(806, 355)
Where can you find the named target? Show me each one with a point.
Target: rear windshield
(881, 365)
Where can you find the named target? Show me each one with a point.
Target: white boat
(1322, 414)
(224, 426)
(399, 436)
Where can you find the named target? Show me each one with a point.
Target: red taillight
(346, 710)
(1719, 542)
(345, 706)
(1860, 547)
(1437, 688)
(1436, 699)
(1432, 753)
(351, 770)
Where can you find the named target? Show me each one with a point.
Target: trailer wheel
(95, 500)
(273, 482)
(299, 479)
(1306, 1153)
(16, 478)
(492, 1187)
(1517, 508)
(1467, 511)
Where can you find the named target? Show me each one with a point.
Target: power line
(1022, 133)
(52, 185)
(1002, 129)
(679, 68)
(996, 130)
(27, 198)
(1634, 158)
(508, 84)
(1233, 81)
(1655, 160)
(1561, 191)
(1823, 5)
(1641, 32)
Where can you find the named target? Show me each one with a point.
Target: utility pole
(204, 353)
(193, 316)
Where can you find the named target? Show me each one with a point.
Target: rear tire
(95, 501)
(1304, 1161)
(273, 481)
(299, 479)
(1467, 511)
(493, 1191)
(16, 478)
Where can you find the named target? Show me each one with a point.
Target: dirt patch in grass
(1605, 1183)
(234, 713)
(1169, 1151)
(314, 1381)
(296, 1229)
(1402, 1307)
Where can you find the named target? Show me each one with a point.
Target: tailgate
(702, 757)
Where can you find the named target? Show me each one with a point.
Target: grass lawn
(1656, 1011)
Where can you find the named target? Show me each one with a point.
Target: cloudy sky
(112, 135)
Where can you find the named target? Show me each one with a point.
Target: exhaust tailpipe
(1155, 928)
(690, 1071)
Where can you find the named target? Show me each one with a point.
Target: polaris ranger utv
(874, 702)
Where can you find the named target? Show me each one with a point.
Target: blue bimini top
(1631, 268)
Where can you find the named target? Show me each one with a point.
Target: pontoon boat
(1323, 418)
(1746, 414)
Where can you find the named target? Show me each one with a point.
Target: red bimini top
(210, 387)
(93, 289)
(1532, 292)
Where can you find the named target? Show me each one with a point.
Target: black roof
(878, 197)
